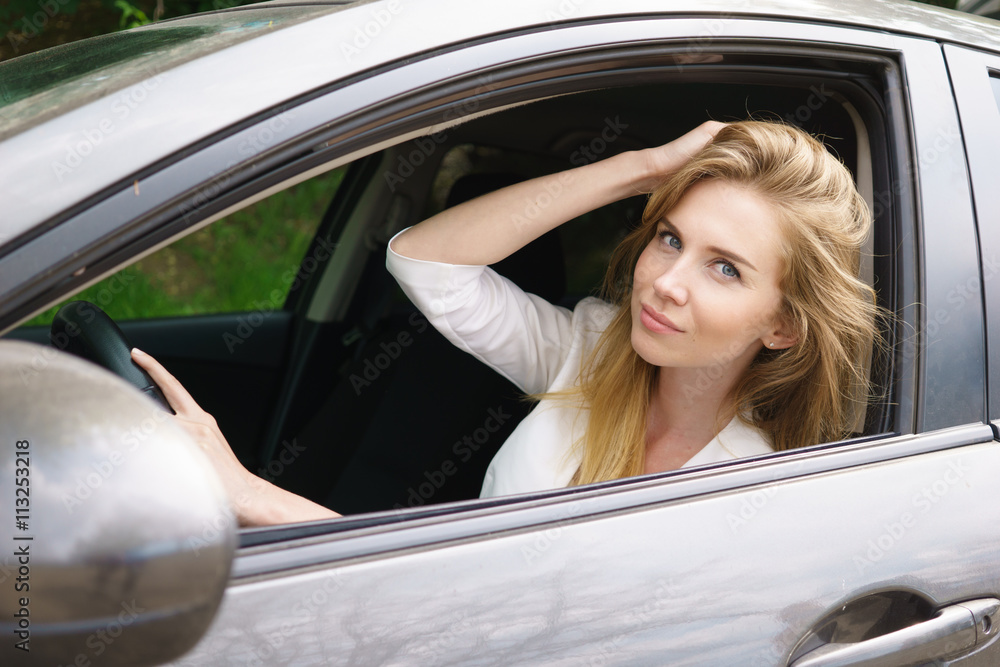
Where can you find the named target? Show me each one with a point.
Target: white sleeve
(522, 336)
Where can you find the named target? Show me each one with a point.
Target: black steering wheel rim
(83, 329)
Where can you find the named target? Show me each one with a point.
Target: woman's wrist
(265, 504)
(647, 170)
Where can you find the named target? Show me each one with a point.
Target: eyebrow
(728, 254)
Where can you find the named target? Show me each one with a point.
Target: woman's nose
(673, 283)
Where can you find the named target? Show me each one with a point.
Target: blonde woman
(733, 322)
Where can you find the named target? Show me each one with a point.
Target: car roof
(185, 100)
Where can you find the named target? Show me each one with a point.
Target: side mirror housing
(117, 536)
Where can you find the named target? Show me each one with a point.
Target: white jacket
(539, 347)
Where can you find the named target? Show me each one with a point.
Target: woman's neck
(687, 409)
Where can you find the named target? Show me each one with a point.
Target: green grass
(236, 264)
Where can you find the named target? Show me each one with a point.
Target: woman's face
(705, 291)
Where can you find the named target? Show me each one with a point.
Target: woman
(735, 324)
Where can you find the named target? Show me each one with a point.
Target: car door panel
(718, 578)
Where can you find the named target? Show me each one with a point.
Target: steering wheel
(83, 329)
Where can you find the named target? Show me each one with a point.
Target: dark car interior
(372, 409)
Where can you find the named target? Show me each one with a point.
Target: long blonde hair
(803, 395)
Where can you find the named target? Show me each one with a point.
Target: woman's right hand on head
(663, 160)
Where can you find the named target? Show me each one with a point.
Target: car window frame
(975, 75)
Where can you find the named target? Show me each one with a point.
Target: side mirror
(116, 536)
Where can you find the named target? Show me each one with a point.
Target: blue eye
(671, 240)
(729, 270)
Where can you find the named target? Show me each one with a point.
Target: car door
(887, 543)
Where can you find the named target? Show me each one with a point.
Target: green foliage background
(32, 25)
(235, 264)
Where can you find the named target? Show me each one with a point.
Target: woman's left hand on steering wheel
(255, 501)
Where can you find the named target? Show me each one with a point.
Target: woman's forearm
(270, 505)
(489, 228)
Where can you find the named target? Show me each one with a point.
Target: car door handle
(954, 630)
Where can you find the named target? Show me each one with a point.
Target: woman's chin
(647, 349)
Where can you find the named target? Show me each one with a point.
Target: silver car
(126, 164)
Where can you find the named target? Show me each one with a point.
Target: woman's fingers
(685, 146)
(180, 400)
(670, 157)
(693, 141)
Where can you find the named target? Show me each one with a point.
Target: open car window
(407, 420)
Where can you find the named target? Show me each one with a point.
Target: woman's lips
(657, 323)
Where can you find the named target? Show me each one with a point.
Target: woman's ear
(783, 336)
